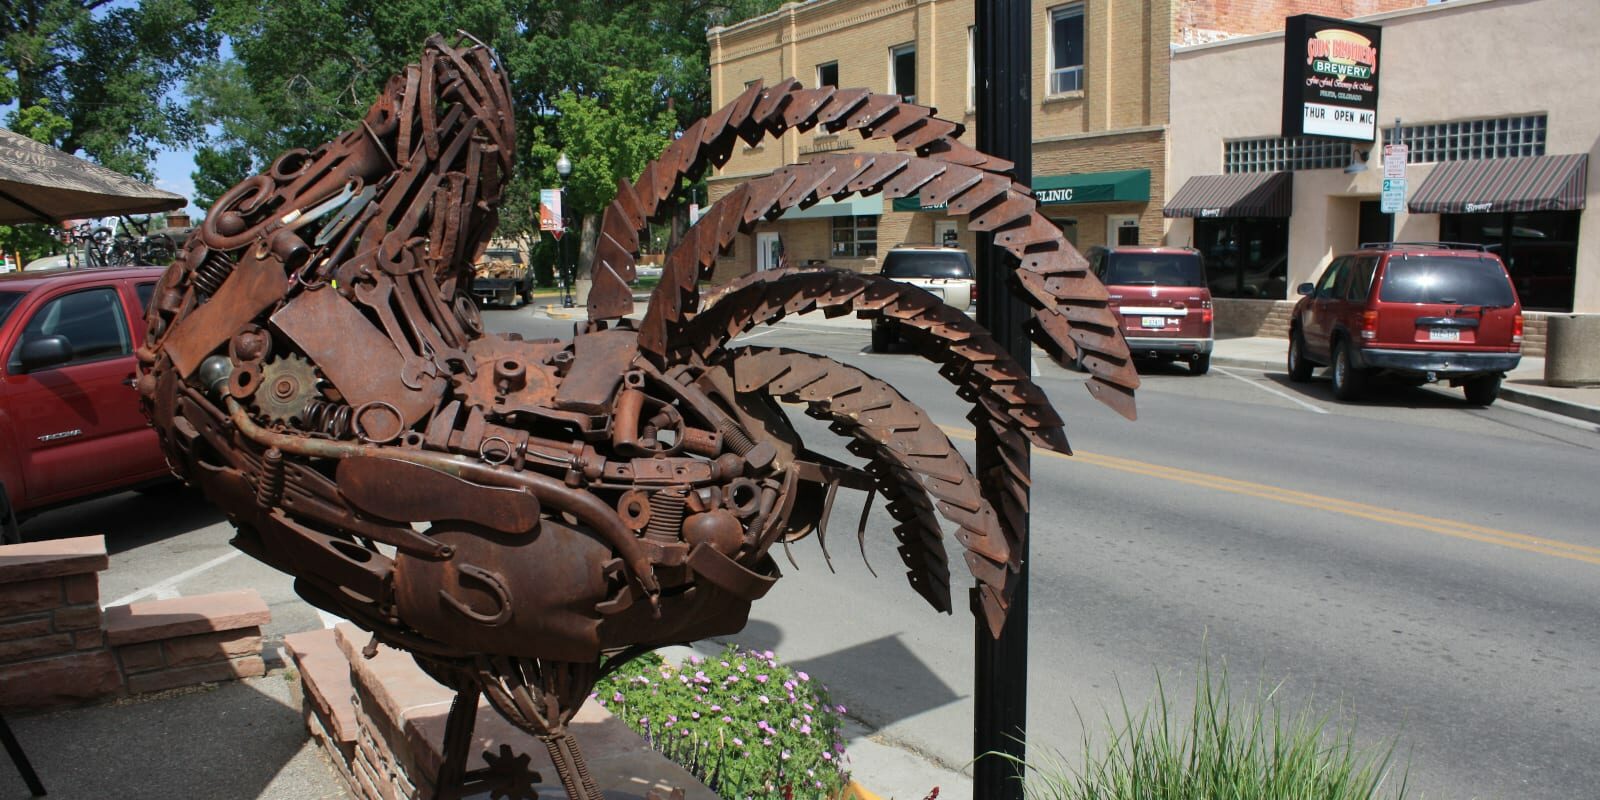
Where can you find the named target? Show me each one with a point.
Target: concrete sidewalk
(1524, 386)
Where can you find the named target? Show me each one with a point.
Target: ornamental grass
(1250, 751)
(745, 725)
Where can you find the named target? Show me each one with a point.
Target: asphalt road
(1417, 568)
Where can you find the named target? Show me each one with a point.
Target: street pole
(1002, 56)
(563, 170)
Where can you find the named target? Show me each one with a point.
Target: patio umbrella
(39, 183)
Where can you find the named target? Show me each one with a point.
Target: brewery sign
(1330, 78)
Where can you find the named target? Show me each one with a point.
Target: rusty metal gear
(287, 384)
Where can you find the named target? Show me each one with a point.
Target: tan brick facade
(1117, 121)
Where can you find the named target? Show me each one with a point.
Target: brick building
(1100, 116)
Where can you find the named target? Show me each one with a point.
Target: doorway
(945, 234)
(1373, 225)
(1122, 229)
(769, 250)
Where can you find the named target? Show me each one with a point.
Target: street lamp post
(564, 170)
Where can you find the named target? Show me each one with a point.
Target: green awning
(1116, 186)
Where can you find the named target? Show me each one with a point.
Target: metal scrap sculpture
(523, 516)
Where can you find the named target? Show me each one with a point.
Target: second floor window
(828, 74)
(903, 72)
(1066, 49)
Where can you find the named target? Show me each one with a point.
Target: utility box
(1572, 350)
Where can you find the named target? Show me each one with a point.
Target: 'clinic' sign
(1330, 78)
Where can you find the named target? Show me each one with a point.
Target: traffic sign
(1394, 195)
(1394, 160)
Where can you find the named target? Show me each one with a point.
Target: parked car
(944, 271)
(1424, 311)
(502, 277)
(70, 422)
(1161, 300)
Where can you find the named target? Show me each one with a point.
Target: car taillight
(1369, 324)
(1516, 329)
(974, 293)
(1205, 312)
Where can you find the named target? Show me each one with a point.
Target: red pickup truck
(70, 424)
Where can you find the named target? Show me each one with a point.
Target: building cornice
(1075, 137)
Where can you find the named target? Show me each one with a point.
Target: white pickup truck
(944, 271)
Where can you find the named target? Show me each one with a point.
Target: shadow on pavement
(137, 518)
(230, 741)
(889, 682)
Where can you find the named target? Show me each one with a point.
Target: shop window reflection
(1245, 257)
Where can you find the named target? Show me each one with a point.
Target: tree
(92, 76)
(302, 71)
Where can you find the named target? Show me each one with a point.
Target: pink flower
(761, 679)
(763, 698)
(694, 714)
(696, 660)
(784, 755)
(741, 668)
(738, 741)
(840, 709)
(805, 729)
(789, 685)
(727, 719)
(802, 676)
(617, 697)
(767, 654)
(826, 756)
(716, 708)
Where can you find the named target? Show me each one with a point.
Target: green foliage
(92, 76)
(607, 136)
(748, 725)
(1252, 751)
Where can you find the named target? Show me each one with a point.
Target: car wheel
(1299, 367)
(1348, 381)
(1200, 365)
(1482, 391)
(882, 336)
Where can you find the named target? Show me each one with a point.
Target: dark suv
(1422, 311)
(70, 424)
(1161, 300)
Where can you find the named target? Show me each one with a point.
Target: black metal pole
(1002, 56)
(563, 245)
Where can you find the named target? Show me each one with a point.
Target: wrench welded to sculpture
(523, 516)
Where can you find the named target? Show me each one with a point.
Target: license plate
(1444, 335)
(1153, 322)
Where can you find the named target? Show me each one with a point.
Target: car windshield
(927, 264)
(503, 255)
(8, 301)
(1446, 279)
(1155, 269)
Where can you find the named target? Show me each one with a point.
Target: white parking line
(159, 588)
(1279, 392)
(749, 336)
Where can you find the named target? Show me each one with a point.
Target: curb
(1565, 408)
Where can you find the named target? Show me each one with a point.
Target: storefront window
(1245, 256)
(855, 237)
(1540, 249)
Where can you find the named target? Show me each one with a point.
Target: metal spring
(208, 277)
(321, 416)
(734, 436)
(666, 515)
(269, 489)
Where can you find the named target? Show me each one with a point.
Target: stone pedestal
(1572, 350)
(382, 721)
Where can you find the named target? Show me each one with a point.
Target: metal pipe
(551, 493)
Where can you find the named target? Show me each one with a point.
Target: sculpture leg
(450, 783)
(570, 767)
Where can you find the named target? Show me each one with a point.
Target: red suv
(1423, 311)
(70, 424)
(1161, 300)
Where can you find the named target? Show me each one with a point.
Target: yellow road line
(1392, 516)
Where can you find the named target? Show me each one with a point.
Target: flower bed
(744, 724)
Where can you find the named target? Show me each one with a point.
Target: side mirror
(45, 351)
(1304, 288)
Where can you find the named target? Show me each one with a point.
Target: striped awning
(1493, 186)
(1252, 194)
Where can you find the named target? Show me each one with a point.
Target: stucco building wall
(1467, 59)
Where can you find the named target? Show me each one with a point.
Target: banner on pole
(550, 212)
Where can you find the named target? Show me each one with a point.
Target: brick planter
(58, 648)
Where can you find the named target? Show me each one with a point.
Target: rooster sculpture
(523, 516)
